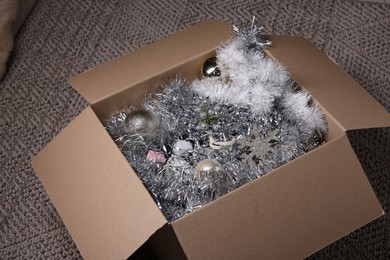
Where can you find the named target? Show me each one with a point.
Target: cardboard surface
(336, 91)
(103, 204)
(289, 213)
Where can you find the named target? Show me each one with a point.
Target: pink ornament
(156, 157)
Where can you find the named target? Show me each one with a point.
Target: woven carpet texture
(63, 38)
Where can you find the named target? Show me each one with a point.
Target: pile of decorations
(193, 142)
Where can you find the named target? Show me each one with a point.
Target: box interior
(133, 96)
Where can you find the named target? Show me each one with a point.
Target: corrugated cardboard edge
(100, 199)
(154, 59)
(289, 213)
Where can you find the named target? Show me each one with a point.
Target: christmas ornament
(217, 145)
(143, 122)
(156, 157)
(181, 147)
(256, 146)
(210, 68)
(252, 38)
(209, 168)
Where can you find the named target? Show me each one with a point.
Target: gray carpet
(65, 37)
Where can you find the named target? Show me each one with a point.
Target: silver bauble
(210, 68)
(209, 168)
(181, 147)
(142, 122)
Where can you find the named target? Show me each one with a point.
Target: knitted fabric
(63, 38)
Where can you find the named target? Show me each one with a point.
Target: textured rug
(65, 37)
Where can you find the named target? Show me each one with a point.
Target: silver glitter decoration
(256, 146)
(213, 147)
(253, 38)
(261, 144)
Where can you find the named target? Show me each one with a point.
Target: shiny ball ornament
(210, 68)
(142, 122)
(181, 147)
(209, 168)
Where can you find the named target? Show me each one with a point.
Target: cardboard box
(289, 213)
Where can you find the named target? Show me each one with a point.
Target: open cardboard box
(289, 213)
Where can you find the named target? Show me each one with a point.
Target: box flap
(156, 58)
(100, 199)
(333, 88)
(289, 213)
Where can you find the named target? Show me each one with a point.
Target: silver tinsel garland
(194, 142)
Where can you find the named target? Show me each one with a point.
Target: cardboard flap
(289, 213)
(153, 59)
(333, 88)
(100, 199)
